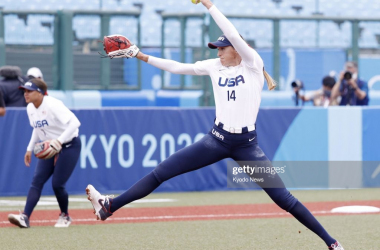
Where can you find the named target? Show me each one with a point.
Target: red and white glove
(55, 144)
(118, 46)
(47, 149)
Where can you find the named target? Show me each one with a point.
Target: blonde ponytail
(270, 81)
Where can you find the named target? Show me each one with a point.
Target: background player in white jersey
(237, 78)
(50, 120)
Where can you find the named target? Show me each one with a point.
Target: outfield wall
(119, 146)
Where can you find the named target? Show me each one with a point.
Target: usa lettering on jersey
(39, 124)
(217, 134)
(231, 82)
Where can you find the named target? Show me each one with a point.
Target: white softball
(195, 1)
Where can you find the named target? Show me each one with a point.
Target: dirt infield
(219, 212)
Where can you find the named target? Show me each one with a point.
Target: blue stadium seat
(86, 26)
(126, 26)
(151, 22)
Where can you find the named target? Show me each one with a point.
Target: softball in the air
(195, 1)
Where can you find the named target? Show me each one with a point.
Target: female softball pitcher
(55, 124)
(237, 79)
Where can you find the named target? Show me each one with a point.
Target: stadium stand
(38, 30)
(330, 33)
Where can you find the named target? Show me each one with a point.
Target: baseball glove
(47, 149)
(118, 46)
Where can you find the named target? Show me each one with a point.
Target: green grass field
(353, 231)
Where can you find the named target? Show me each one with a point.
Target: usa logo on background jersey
(40, 124)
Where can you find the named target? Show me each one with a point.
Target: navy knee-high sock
(139, 190)
(34, 195)
(303, 215)
(63, 202)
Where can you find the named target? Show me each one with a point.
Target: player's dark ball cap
(31, 86)
(221, 42)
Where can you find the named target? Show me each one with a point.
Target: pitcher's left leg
(275, 188)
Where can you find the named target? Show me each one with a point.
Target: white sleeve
(204, 67)
(172, 66)
(60, 111)
(33, 140)
(248, 54)
(73, 125)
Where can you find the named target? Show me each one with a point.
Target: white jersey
(237, 90)
(50, 119)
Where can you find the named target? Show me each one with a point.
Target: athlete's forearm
(207, 3)
(33, 139)
(172, 66)
(229, 30)
(74, 124)
(142, 57)
(225, 25)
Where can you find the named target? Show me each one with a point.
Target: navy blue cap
(31, 86)
(221, 42)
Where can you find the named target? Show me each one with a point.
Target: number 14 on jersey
(231, 96)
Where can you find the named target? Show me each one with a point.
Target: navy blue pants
(61, 172)
(218, 145)
(213, 147)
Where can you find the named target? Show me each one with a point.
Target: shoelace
(334, 246)
(109, 196)
(109, 204)
(21, 214)
(63, 216)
